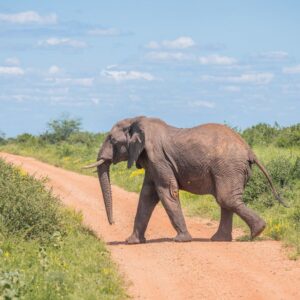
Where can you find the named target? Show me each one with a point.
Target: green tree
(61, 129)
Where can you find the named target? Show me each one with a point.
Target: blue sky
(187, 62)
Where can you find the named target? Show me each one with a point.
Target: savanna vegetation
(65, 145)
(45, 252)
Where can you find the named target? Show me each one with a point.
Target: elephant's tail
(263, 169)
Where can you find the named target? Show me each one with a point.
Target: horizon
(193, 63)
(65, 116)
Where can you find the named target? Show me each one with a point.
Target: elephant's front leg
(147, 202)
(170, 200)
(224, 232)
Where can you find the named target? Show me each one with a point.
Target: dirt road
(162, 269)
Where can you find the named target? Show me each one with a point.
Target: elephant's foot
(220, 236)
(183, 237)
(257, 228)
(134, 239)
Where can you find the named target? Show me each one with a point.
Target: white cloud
(62, 42)
(127, 75)
(13, 61)
(28, 17)
(153, 45)
(231, 88)
(11, 71)
(207, 104)
(274, 55)
(54, 70)
(291, 70)
(95, 101)
(104, 32)
(216, 60)
(166, 55)
(19, 97)
(85, 82)
(181, 42)
(254, 78)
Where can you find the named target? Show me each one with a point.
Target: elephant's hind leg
(255, 223)
(230, 196)
(224, 232)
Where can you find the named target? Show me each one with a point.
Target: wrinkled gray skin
(207, 159)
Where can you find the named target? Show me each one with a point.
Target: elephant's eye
(113, 140)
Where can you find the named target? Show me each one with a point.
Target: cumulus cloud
(12, 61)
(52, 42)
(253, 78)
(291, 70)
(181, 42)
(166, 55)
(11, 71)
(153, 45)
(84, 82)
(206, 104)
(215, 59)
(274, 55)
(231, 88)
(95, 101)
(127, 75)
(54, 70)
(28, 17)
(104, 32)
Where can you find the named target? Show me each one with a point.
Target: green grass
(282, 223)
(45, 252)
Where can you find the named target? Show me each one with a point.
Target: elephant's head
(125, 141)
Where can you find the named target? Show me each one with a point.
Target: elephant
(206, 159)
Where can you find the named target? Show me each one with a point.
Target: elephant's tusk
(96, 164)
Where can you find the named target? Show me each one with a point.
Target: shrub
(64, 150)
(256, 186)
(289, 136)
(45, 253)
(2, 138)
(296, 169)
(26, 208)
(25, 138)
(82, 137)
(260, 134)
(282, 172)
(265, 134)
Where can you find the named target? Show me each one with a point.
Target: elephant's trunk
(103, 175)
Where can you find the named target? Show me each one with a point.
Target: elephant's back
(221, 132)
(212, 142)
(213, 133)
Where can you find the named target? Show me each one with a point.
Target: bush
(82, 137)
(26, 208)
(45, 253)
(289, 137)
(256, 186)
(265, 134)
(25, 138)
(260, 134)
(283, 172)
(296, 169)
(2, 138)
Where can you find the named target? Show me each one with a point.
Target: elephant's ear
(136, 143)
